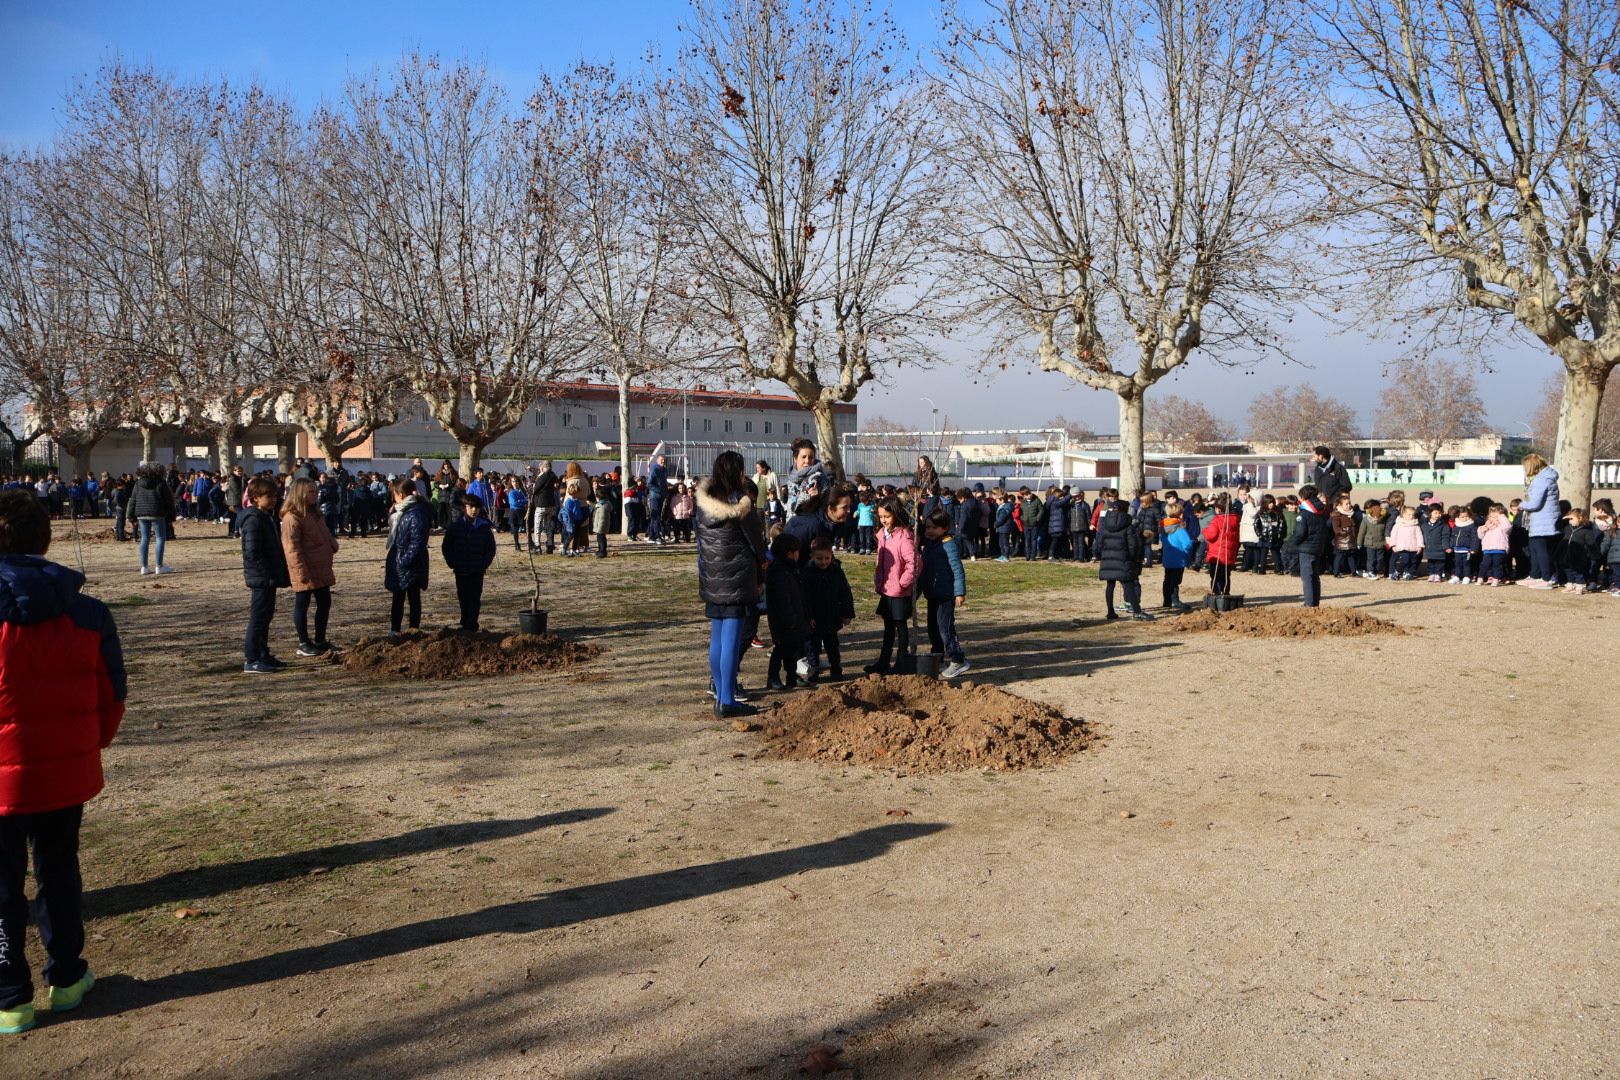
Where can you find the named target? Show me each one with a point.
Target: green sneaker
(65, 998)
(14, 1021)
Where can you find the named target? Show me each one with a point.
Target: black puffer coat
(264, 561)
(731, 549)
(152, 499)
(1313, 535)
(1119, 547)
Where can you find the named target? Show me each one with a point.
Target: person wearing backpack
(1179, 531)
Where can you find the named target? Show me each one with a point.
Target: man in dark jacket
(543, 507)
(264, 568)
(469, 548)
(1332, 479)
(1313, 537)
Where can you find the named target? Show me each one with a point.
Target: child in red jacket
(61, 699)
(1222, 534)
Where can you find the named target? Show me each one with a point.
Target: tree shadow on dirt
(204, 881)
(1417, 599)
(1021, 657)
(116, 993)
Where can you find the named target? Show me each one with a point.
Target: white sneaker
(165, 570)
(954, 669)
(803, 668)
(1453, 580)
(145, 570)
(1467, 581)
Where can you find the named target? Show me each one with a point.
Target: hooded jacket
(730, 548)
(785, 609)
(942, 574)
(1119, 547)
(153, 498)
(61, 686)
(1540, 506)
(1313, 533)
(1436, 538)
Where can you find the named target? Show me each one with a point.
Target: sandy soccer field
(1387, 855)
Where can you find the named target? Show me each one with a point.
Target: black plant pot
(1223, 603)
(532, 622)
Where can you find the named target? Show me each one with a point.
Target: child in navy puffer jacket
(469, 548)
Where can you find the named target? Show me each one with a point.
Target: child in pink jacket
(896, 572)
(1493, 541)
(1405, 545)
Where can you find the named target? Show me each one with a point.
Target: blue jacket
(516, 499)
(485, 493)
(1540, 505)
(942, 576)
(406, 566)
(469, 544)
(1180, 543)
(1004, 520)
(1436, 538)
(1057, 514)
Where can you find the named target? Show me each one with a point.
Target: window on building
(352, 413)
(567, 418)
(663, 423)
(748, 426)
(643, 423)
(590, 419)
(687, 424)
(728, 425)
(708, 425)
(539, 418)
(767, 427)
(806, 428)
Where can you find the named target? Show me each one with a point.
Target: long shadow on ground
(228, 877)
(116, 993)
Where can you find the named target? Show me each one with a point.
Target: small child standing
(62, 687)
(1464, 545)
(1581, 546)
(1343, 523)
(405, 567)
(1370, 538)
(264, 568)
(310, 548)
(1436, 543)
(1004, 528)
(830, 605)
(1603, 517)
(944, 586)
(1405, 545)
(785, 613)
(1495, 540)
(866, 525)
(468, 549)
(601, 520)
(894, 576)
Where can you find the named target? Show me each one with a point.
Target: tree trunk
(471, 454)
(148, 443)
(624, 443)
(1132, 467)
(1577, 432)
(225, 448)
(1433, 459)
(827, 439)
(286, 445)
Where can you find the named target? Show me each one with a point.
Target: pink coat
(1494, 537)
(1406, 536)
(896, 562)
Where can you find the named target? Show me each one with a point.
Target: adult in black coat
(1332, 478)
(731, 562)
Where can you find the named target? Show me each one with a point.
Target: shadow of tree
(227, 877)
(117, 994)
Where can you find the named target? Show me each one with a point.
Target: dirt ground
(1389, 855)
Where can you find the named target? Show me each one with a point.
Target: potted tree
(533, 621)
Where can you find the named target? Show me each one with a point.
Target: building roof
(582, 390)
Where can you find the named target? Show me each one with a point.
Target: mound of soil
(921, 725)
(457, 654)
(1284, 622)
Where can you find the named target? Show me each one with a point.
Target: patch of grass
(990, 579)
(132, 601)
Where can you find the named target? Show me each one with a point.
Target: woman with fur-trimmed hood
(731, 564)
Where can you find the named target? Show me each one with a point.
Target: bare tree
(627, 277)
(1186, 426)
(798, 145)
(1123, 200)
(1297, 418)
(1078, 430)
(1544, 422)
(1479, 141)
(454, 217)
(1431, 402)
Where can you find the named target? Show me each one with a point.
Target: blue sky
(306, 50)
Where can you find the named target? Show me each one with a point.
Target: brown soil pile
(456, 654)
(921, 725)
(1285, 622)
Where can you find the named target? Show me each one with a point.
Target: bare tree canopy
(1431, 402)
(1123, 199)
(1186, 426)
(1479, 140)
(458, 224)
(1296, 418)
(799, 147)
(1078, 430)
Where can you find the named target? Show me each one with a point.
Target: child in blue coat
(469, 548)
(944, 586)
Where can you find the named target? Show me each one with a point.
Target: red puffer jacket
(1222, 534)
(61, 686)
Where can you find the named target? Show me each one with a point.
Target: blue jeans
(1310, 578)
(725, 657)
(1494, 565)
(655, 516)
(1542, 567)
(152, 527)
